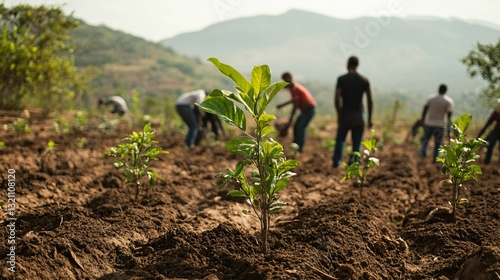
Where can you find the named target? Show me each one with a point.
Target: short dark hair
(442, 88)
(353, 62)
(286, 75)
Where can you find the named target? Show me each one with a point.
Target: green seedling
(269, 171)
(134, 157)
(21, 126)
(80, 143)
(80, 121)
(358, 169)
(458, 157)
(49, 149)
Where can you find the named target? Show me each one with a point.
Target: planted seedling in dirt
(457, 158)
(270, 171)
(358, 169)
(134, 157)
(45, 153)
(21, 126)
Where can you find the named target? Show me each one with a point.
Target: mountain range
(396, 54)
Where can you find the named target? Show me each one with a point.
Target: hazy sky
(160, 19)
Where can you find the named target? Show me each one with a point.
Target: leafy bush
(359, 169)
(134, 157)
(457, 158)
(271, 171)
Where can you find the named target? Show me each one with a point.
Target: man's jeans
(188, 116)
(437, 133)
(356, 136)
(492, 139)
(300, 127)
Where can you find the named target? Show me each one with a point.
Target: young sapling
(362, 162)
(42, 157)
(271, 171)
(458, 159)
(134, 157)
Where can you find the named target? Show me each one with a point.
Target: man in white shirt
(435, 117)
(119, 105)
(190, 113)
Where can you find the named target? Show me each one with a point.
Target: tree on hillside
(484, 60)
(37, 59)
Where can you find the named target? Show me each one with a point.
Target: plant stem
(454, 201)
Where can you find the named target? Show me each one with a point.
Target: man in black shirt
(349, 106)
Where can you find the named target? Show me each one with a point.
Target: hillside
(128, 63)
(404, 55)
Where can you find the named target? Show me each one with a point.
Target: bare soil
(77, 220)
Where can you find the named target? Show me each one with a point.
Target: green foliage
(271, 171)
(80, 143)
(458, 157)
(134, 157)
(80, 122)
(21, 126)
(358, 169)
(484, 61)
(36, 57)
(42, 157)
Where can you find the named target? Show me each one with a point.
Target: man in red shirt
(494, 135)
(302, 100)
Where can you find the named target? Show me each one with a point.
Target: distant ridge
(402, 54)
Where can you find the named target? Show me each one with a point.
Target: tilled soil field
(77, 220)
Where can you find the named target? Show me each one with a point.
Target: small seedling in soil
(44, 154)
(358, 169)
(271, 171)
(80, 143)
(457, 158)
(134, 157)
(21, 126)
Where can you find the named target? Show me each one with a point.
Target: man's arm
(370, 106)
(284, 104)
(294, 109)
(448, 125)
(488, 123)
(338, 103)
(424, 112)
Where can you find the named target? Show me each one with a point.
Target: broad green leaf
(268, 95)
(266, 119)
(462, 122)
(474, 169)
(281, 184)
(232, 73)
(147, 128)
(266, 130)
(226, 109)
(261, 78)
(236, 193)
(276, 206)
(239, 168)
(245, 101)
(241, 145)
(375, 161)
